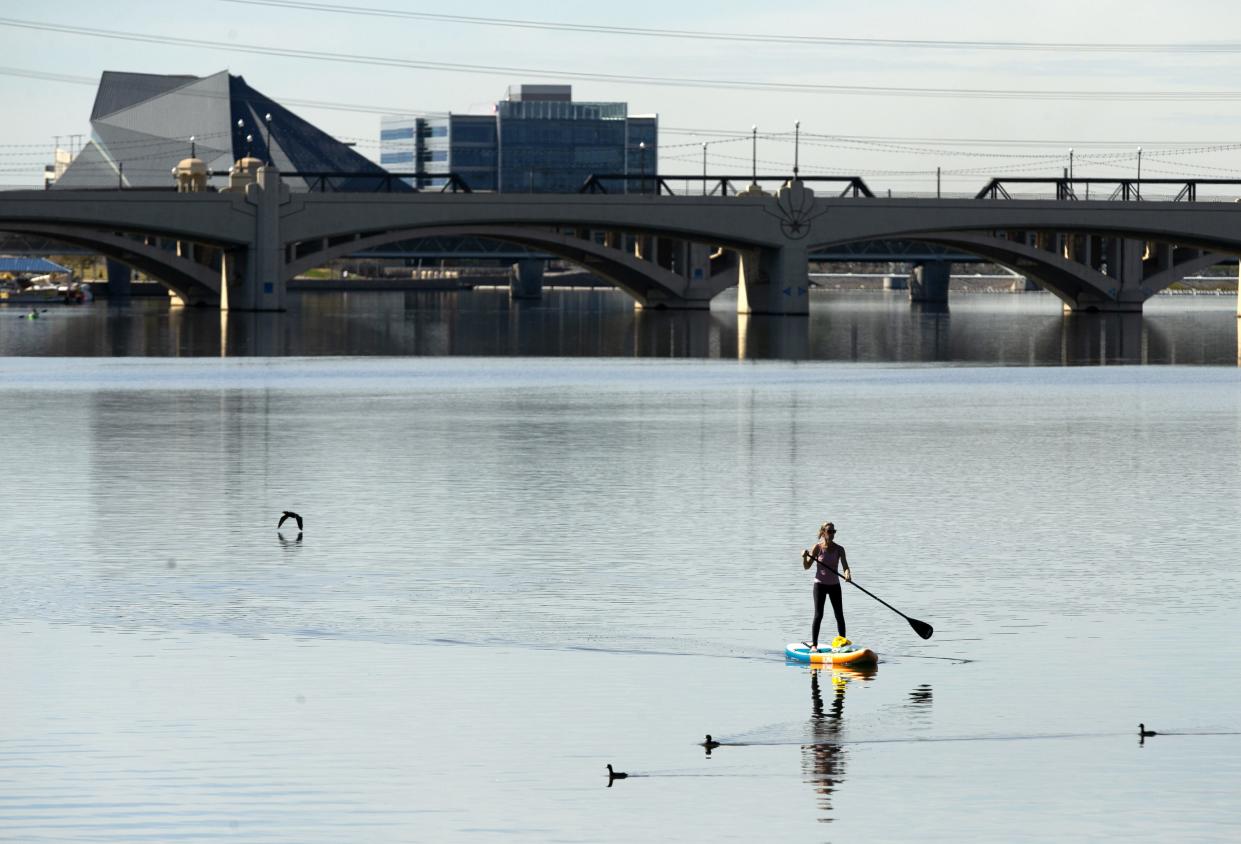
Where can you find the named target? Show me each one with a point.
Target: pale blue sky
(1104, 132)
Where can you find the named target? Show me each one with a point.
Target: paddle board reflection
(823, 758)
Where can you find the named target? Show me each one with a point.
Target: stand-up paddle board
(845, 655)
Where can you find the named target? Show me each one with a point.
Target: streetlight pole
(1139, 185)
(267, 120)
(704, 168)
(241, 127)
(642, 156)
(796, 145)
(754, 154)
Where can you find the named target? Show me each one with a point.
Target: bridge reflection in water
(988, 329)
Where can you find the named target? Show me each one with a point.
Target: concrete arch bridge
(238, 248)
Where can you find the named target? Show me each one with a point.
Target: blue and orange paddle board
(848, 655)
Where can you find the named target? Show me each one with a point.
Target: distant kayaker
(827, 555)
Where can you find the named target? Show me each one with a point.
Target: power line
(290, 101)
(730, 134)
(753, 38)
(631, 79)
(717, 135)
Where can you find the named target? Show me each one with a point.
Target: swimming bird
(615, 775)
(710, 744)
(1144, 733)
(289, 514)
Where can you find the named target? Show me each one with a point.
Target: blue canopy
(35, 266)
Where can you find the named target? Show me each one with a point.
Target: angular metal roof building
(142, 123)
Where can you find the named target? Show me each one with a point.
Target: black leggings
(821, 591)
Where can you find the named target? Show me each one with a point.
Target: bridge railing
(662, 185)
(1123, 190)
(353, 181)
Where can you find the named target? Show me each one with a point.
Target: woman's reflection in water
(823, 759)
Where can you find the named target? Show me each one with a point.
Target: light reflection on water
(514, 571)
(1009, 330)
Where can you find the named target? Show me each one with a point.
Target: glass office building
(537, 140)
(433, 147)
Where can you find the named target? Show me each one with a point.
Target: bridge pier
(894, 280)
(697, 264)
(683, 259)
(774, 281)
(526, 279)
(928, 283)
(120, 281)
(1119, 260)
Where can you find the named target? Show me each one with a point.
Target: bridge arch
(1208, 226)
(650, 284)
(193, 282)
(1076, 284)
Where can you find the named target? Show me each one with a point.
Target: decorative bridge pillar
(190, 176)
(254, 279)
(774, 281)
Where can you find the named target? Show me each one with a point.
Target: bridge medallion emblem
(794, 208)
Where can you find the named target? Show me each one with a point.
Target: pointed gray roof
(119, 90)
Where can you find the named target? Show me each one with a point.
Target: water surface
(995, 329)
(516, 570)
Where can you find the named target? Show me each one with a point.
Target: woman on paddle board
(826, 555)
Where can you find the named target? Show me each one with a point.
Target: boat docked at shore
(69, 293)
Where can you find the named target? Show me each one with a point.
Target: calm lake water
(989, 329)
(544, 539)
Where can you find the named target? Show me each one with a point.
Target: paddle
(920, 627)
